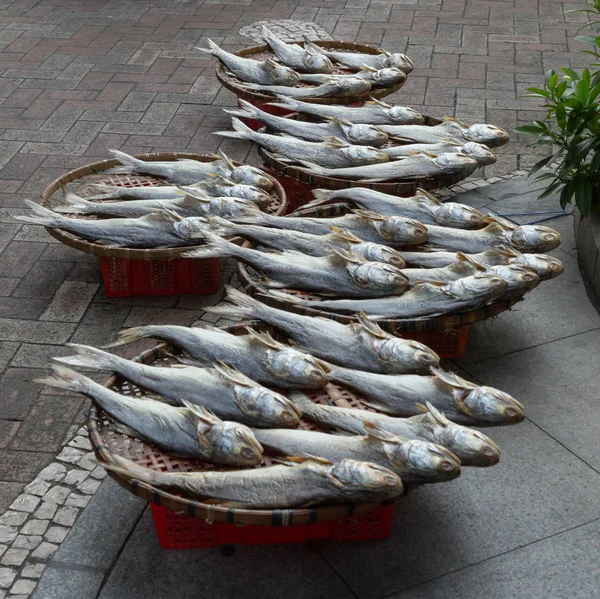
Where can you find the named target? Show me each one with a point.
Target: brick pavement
(80, 76)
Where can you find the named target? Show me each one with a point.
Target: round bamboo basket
(253, 284)
(80, 179)
(239, 88)
(107, 442)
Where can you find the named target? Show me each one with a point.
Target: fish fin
(195, 193)
(214, 247)
(201, 413)
(452, 379)
(367, 69)
(347, 256)
(127, 161)
(370, 214)
(432, 288)
(378, 102)
(377, 433)
(71, 203)
(321, 196)
(233, 376)
(370, 327)
(504, 222)
(242, 131)
(308, 44)
(336, 142)
(65, 378)
(242, 305)
(88, 357)
(345, 235)
(311, 167)
(377, 406)
(463, 259)
(265, 339)
(212, 48)
(40, 216)
(436, 415)
(129, 336)
(495, 228)
(426, 198)
(289, 297)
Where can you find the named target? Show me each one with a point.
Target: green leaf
(570, 73)
(529, 129)
(585, 39)
(583, 195)
(550, 190)
(540, 164)
(583, 90)
(595, 163)
(561, 115)
(583, 147)
(544, 176)
(565, 195)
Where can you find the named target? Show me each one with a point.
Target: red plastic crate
(177, 531)
(446, 344)
(298, 194)
(124, 277)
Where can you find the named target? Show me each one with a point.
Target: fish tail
(130, 335)
(216, 247)
(245, 110)
(130, 469)
(321, 197)
(286, 102)
(309, 166)
(72, 204)
(212, 49)
(129, 164)
(108, 192)
(241, 131)
(242, 305)
(309, 44)
(223, 227)
(40, 215)
(89, 357)
(65, 378)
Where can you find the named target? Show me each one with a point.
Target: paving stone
(25, 503)
(74, 477)
(57, 494)
(8, 429)
(28, 542)
(79, 584)
(56, 534)
(35, 527)
(14, 557)
(21, 466)
(46, 511)
(7, 575)
(10, 518)
(9, 491)
(42, 280)
(66, 516)
(8, 533)
(70, 302)
(45, 550)
(37, 487)
(33, 571)
(23, 587)
(19, 257)
(53, 473)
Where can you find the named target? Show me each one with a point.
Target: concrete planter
(587, 237)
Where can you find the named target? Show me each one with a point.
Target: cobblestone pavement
(80, 76)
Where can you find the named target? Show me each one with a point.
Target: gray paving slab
(512, 187)
(102, 529)
(68, 583)
(557, 308)
(145, 571)
(538, 489)
(565, 565)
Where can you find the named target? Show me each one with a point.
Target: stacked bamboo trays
(131, 271)
(107, 442)
(446, 334)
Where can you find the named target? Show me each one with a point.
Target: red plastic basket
(124, 277)
(297, 193)
(446, 344)
(177, 531)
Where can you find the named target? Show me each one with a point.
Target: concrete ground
(528, 527)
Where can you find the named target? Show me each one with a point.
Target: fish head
(484, 286)
(547, 267)
(266, 407)
(406, 351)
(519, 279)
(424, 460)
(486, 404)
(252, 193)
(461, 216)
(192, 226)
(354, 476)
(234, 443)
(455, 162)
(389, 76)
(376, 252)
(295, 366)
(401, 230)
(472, 447)
(377, 275)
(353, 86)
(479, 152)
(490, 135)
(405, 115)
(318, 63)
(282, 75)
(367, 135)
(364, 154)
(535, 238)
(400, 61)
(250, 175)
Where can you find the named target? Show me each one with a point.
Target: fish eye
(511, 412)
(248, 453)
(447, 466)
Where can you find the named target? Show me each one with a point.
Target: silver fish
(519, 279)
(416, 166)
(295, 56)
(490, 135)
(412, 460)
(356, 60)
(362, 345)
(341, 273)
(154, 230)
(423, 207)
(266, 72)
(545, 266)
(224, 391)
(472, 447)
(257, 355)
(482, 154)
(185, 205)
(423, 299)
(367, 135)
(332, 153)
(394, 231)
(462, 401)
(386, 77)
(186, 172)
(218, 186)
(189, 432)
(283, 486)
(352, 86)
(525, 238)
(312, 245)
(463, 267)
(373, 112)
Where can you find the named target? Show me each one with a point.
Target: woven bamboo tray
(238, 87)
(79, 180)
(107, 442)
(253, 284)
